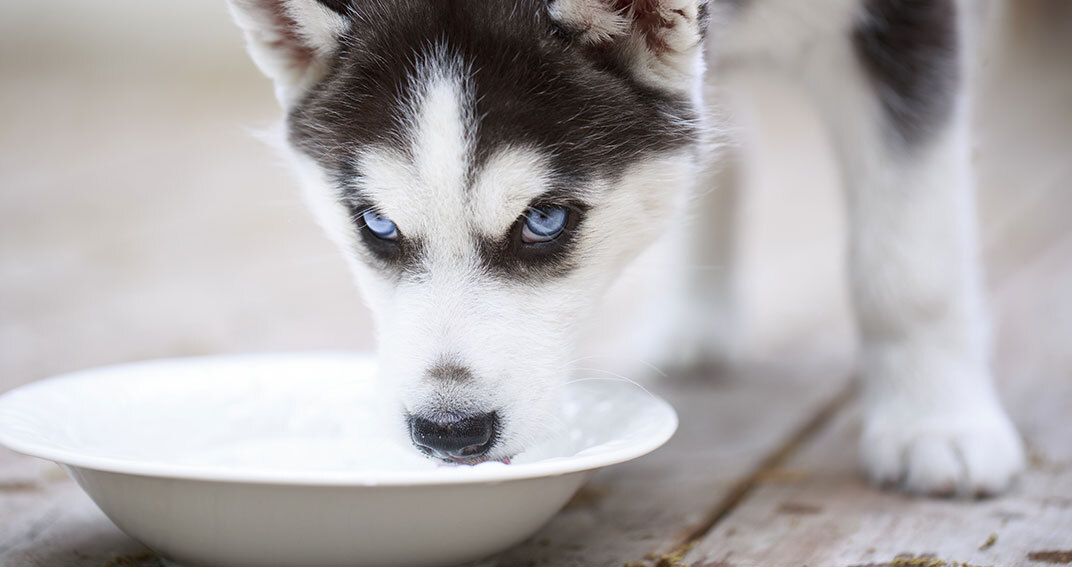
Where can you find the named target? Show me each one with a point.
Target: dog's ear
(290, 40)
(663, 38)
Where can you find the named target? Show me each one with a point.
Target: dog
(488, 167)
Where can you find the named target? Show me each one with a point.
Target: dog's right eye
(379, 225)
(544, 223)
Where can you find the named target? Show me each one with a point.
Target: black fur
(532, 86)
(338, 6)
(909, 49)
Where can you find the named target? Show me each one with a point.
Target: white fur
(681, 62)
(510, 180)
(317, 25)
(597, 21)
(677, 67)
(294, 65)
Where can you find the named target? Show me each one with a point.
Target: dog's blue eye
(544, 223)
(380, 225)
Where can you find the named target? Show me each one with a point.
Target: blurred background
(140, 216)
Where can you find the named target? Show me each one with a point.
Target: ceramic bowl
(289, 460)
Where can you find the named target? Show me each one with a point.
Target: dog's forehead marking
(441, 145)
(436, 188)
(424, 190)
(507, 182)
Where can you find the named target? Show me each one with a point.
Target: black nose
(454, 438)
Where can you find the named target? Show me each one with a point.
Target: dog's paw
(969, 453)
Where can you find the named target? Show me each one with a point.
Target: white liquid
(286, 414)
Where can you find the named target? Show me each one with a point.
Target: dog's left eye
(544, 223)
(380, 225)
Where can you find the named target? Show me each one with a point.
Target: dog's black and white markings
(527, 86)
(452, 120)
(910, 50)
(524, 84)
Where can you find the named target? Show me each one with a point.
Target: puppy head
(486, 169)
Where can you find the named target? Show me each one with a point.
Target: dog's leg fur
(899, 124)
(933, 422)
(693, 327)
(932, 419)
(709, 269)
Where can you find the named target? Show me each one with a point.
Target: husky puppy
(488, 166)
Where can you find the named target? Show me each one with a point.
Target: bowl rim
(441, 476)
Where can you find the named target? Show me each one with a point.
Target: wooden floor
(104, 237)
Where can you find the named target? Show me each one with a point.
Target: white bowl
(264, 460)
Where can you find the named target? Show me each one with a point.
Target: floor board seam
(744, 487)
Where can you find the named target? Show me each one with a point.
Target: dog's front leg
(932, 420)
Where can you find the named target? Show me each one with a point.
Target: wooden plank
(46, 520)
(823, 513)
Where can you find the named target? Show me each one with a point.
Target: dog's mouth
(477, 458)
(456, 461)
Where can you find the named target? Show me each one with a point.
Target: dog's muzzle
(457, 439)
